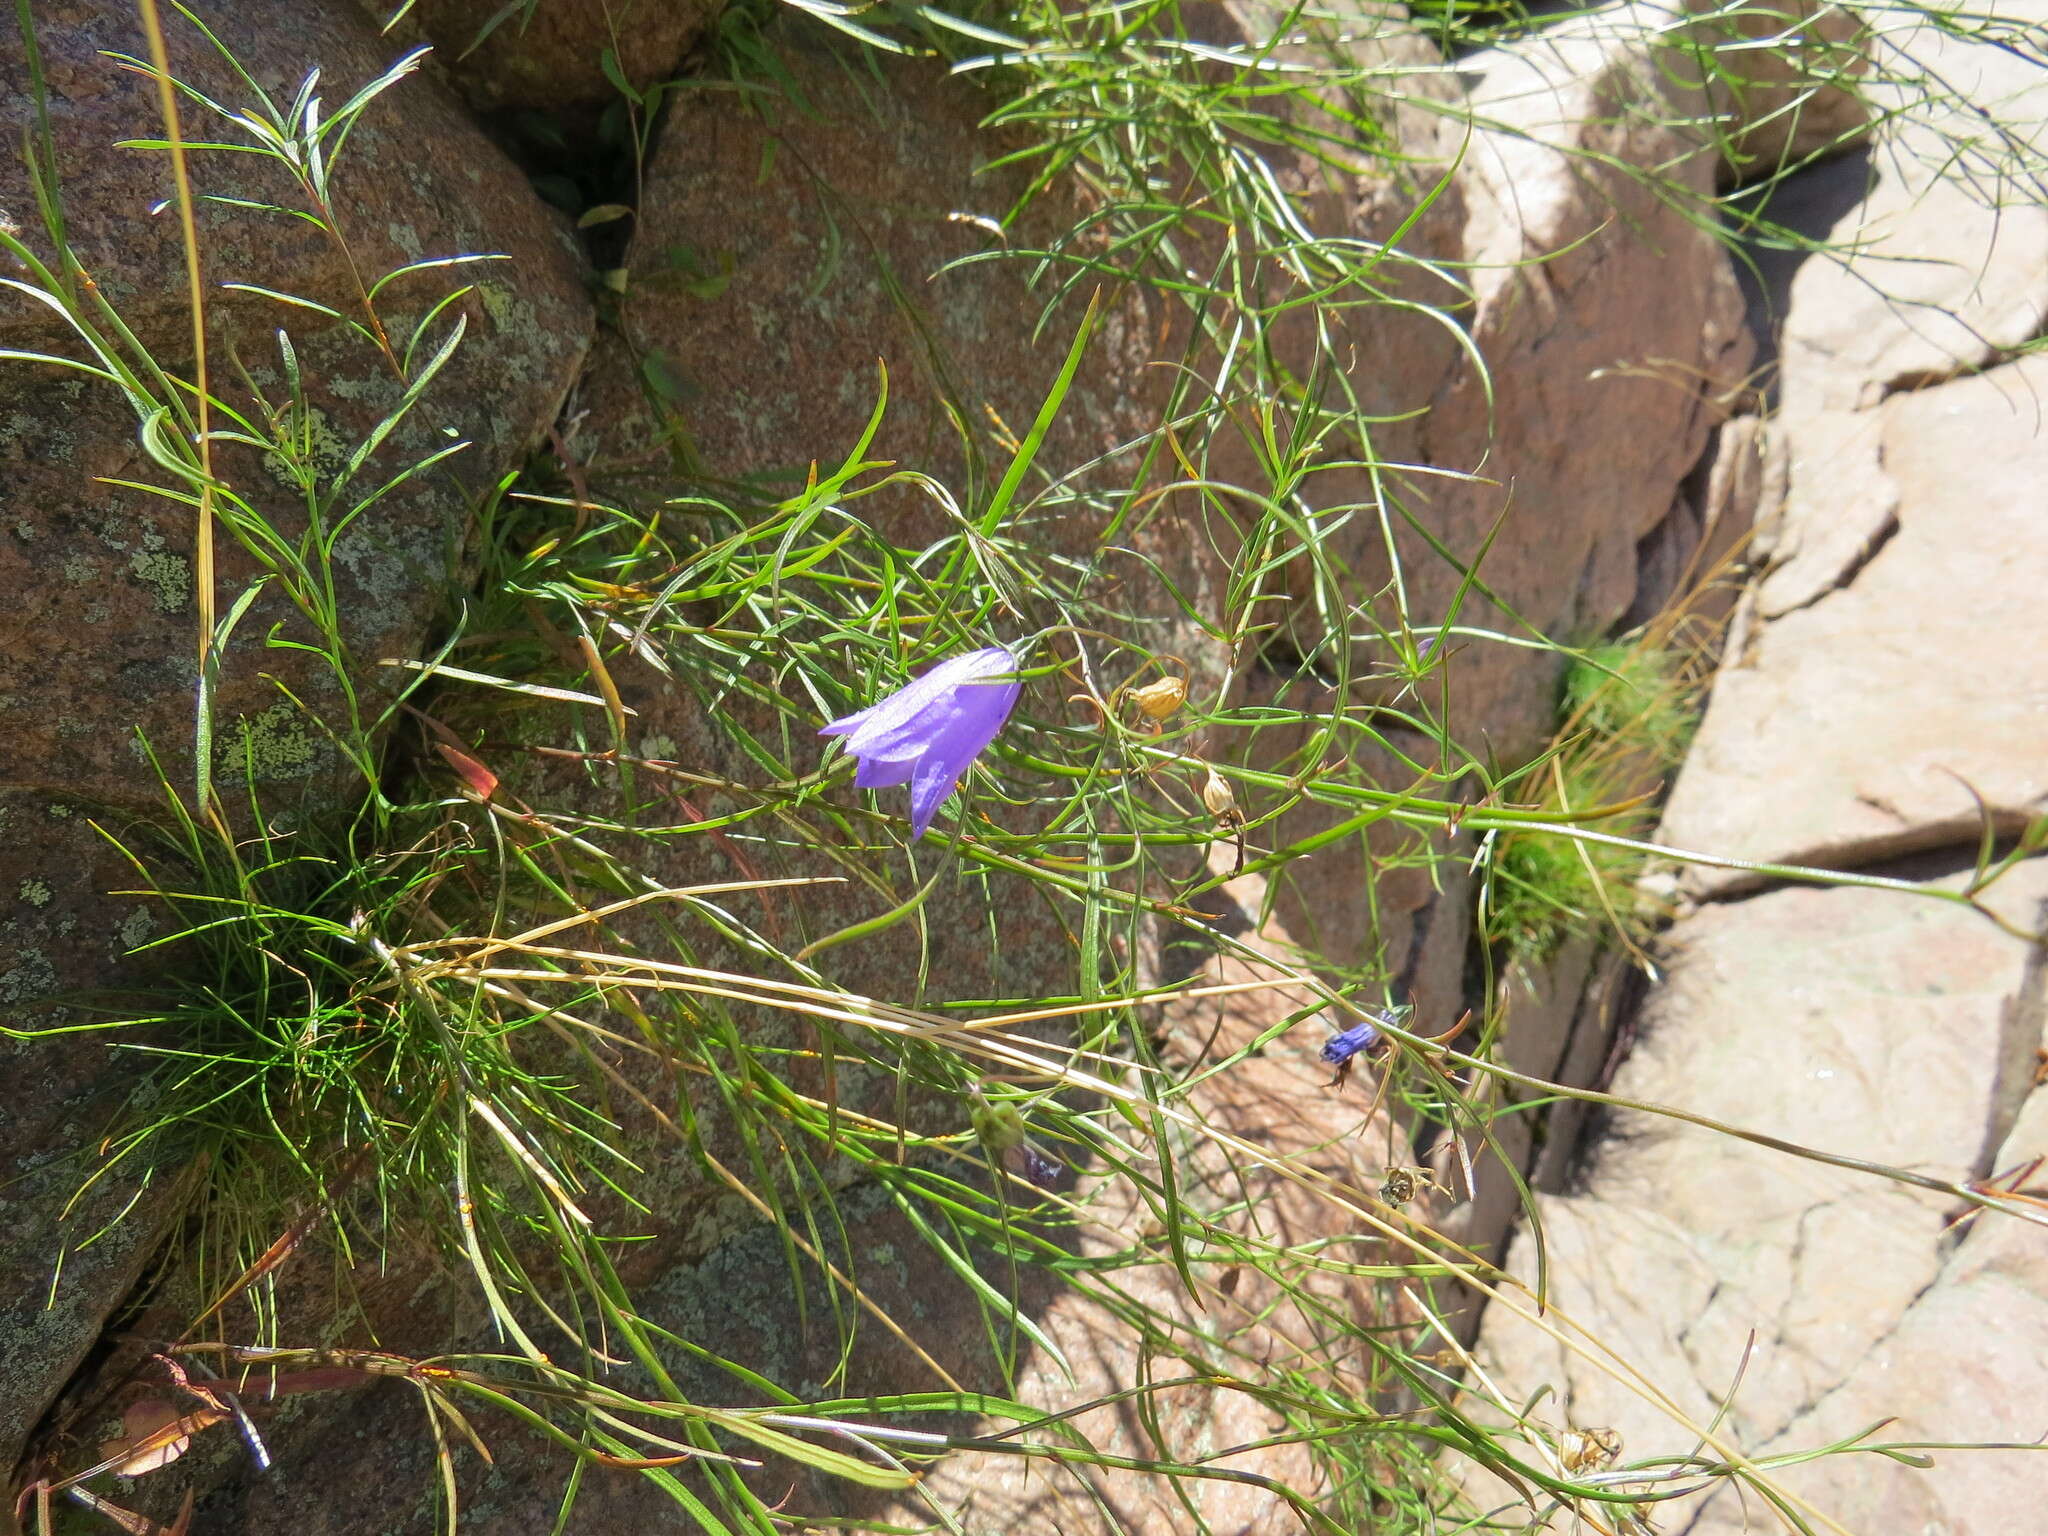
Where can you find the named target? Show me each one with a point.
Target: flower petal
(913, 712)
(930, 731)
(971, 726)
(881, 772)
(846, 723)
(936, 778)
(1341, 1047)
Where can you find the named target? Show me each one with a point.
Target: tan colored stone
(1946, 261)
(1785, 80)
(1281, 1101)
(1848, 733)
(1936, 271)
(1963, 1365)
(1613, 338)
(1857, 1022)
(1840, 506)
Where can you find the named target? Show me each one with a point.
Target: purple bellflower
(929, 732)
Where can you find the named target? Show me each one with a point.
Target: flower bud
(1217, 796)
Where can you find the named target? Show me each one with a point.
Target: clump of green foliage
(1626, 717)
(464, 1011)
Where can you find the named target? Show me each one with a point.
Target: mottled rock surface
(774, 257)
(551, 55)
(1890, 655)
(98, 639)
(1612, 335)
(111, 568)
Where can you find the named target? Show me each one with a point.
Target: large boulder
(123, 559)
(98, 639)
(1871, 686)
(749, 328)
(755, 315)
(1928, 271)
(1856, 1022)
(1859, 771)
(1607, 344)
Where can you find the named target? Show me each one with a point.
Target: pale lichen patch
(167, 575)
(277, 744)
(30, 977)
(137, 929)
(321, 448)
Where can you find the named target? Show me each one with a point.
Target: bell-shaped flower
(929, 732)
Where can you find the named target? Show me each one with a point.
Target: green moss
(1626, 715)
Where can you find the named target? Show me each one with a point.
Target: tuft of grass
(1627, 714)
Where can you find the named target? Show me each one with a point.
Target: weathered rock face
(1853, 1021)
(60, 929)
(551, 57)
(1801, 759)
(773, 257)
(1784, 82)
(1874, 669)
(71, 542)
(1610, 359)
(98, 637)
(1614, 346)
(1893, 502)
(1961, 1363)
(757, 314)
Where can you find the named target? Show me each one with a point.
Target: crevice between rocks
(1921, 854)
(1994, 355)
(2019, 1049)
(1843, 579)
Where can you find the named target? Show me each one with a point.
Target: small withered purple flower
(929, 732)
(1340, 1048)
(1364, 1038)
(1001, 1127)
(1027, 1162)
